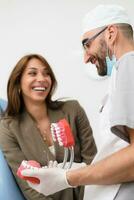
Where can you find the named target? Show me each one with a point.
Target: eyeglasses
(86, 43)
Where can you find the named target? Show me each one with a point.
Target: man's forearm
(117, 168)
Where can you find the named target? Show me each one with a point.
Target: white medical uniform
(117, 112)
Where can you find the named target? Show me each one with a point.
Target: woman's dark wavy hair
(15, 99)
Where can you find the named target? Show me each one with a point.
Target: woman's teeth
(39, 88)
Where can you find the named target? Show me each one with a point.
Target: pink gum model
(61, 132)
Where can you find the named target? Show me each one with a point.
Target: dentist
(107, 41)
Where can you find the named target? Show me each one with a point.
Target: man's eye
(88, 44)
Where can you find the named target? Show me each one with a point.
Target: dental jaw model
(28, 165)
(61, 133)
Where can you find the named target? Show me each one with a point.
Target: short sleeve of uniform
(122, 98)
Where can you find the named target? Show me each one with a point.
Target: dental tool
(61, 133)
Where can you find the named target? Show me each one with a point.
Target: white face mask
(110, 63)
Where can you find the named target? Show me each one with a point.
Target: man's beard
(101, 57)
(102, 68)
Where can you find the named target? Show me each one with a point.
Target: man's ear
(112, 32)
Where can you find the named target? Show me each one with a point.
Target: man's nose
(86, 57)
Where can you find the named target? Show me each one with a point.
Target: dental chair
(3, 104)
(9, 190)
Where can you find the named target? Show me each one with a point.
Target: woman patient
(25, 128)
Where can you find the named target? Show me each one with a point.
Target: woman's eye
(32, 73)
(46, 74)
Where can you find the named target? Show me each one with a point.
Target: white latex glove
(52, 180)
(74, 165)
(59, 165)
